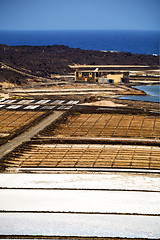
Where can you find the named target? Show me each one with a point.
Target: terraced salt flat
(107, 125)
(119, 202)
(80, 205)
(84, 225)
(37, 104)
(11, 121)
(92, 180)
(83, 155)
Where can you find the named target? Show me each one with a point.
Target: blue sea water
(153, 94)
(142, 42)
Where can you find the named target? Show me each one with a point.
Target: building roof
(103, 71)
(108, 66)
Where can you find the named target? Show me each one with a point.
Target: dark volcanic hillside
(44, 60)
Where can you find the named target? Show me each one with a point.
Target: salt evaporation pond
(153, 94)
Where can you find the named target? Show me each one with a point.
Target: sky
(79, 14)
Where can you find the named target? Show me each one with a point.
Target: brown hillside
(44, 60)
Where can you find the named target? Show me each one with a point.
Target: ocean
(153, 94)
(141, 42)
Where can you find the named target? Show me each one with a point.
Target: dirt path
(22, 72)
(104, 140)
(26, 136)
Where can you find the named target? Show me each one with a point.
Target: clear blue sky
(79, 14)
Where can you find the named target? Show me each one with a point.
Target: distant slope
(44, 60)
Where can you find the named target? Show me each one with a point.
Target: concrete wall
(116, 77)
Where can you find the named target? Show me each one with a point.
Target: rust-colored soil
(91, 155)
(12, 121)
(107, 125)
(44, 152)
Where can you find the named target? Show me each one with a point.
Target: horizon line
(156, 30)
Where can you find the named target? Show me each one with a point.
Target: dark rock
(44, 60)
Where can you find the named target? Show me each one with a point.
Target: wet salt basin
(129, 181)
(80, 201)
(86, 205)
(80, 225)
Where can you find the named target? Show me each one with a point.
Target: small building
(86, 76)
(113, 74)
(101, 76)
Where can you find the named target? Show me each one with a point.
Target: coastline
(141, 42)
(151, 93)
